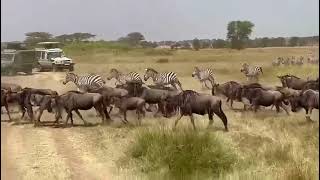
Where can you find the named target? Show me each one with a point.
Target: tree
(133, 38)
(265, 42)
(293, 41)
(219, 43)
(196, 44)
(36, 37)
(238, 33)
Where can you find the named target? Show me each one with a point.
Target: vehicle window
(54, 54)
(7, 57)
(38, 54)
(42, 55)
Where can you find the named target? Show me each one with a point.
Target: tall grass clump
(183, 153)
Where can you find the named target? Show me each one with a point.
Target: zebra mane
(151, 69)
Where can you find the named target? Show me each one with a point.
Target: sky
(158, 20)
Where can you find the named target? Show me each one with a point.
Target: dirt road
(47, 152)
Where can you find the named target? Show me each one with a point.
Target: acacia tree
(238, 33)
(34, 37)
(196, 44)
(133, 38)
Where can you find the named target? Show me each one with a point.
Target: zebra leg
(205, 83)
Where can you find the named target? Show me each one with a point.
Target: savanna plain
(261, 145)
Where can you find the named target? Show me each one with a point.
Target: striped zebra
(91, 80)
(251, 72)
(122, 79)
(162, 79)
(204, 75)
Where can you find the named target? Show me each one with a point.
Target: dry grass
(267, 145)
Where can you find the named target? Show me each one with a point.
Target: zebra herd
(294, 61)
(160, 79)
(95, 81)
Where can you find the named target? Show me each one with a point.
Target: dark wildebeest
(262, 97)
(312, 84)
(25, 95)
(75, 101)
(190, 102)
(4, 100)
(44, 103)
(152, 96)
(13, 87)
(308, 100)
(131, 103)
(107, 93)
(228, 89)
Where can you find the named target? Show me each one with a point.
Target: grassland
(262, 145)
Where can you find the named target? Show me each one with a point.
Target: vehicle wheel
(71, 68)
(54, 68)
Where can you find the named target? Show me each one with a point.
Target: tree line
(238, 33)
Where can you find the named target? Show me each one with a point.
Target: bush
(158, 52)
(182, 153)
(162, 60)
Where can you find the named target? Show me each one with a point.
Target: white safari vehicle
(50, 57)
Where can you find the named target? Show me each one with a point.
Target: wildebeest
(228, 89)
(24, 98)
(190, 102)
(291, 81)
(75, 101)
(43, 102)
(308, 100)
(130, 103)
(262, 97)
(4, 100)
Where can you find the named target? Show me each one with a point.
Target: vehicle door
(44, 61)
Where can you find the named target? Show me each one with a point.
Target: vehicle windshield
(54, 54)
(7, 57)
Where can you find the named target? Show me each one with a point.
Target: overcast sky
(158, 19)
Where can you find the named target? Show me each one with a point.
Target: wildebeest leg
(78, 113)
(284, 108)
(39, 116)
(30, 112)
(272, 106)
(177, 120)
(222, 116)
(192, 122)
(125, 121)
(277, 107)
(71, 118)
(231, 102)
(210, 115)
(7, 109)
(67, 119)
(308, 114)
(138, 111)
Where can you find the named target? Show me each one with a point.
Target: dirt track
(47, 152)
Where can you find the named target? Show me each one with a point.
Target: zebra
(92, 80)
(276, 62)
(204, 75)
(124, 78)
(251, 72)
(162, 79)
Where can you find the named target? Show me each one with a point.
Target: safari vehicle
(13, 61)
(50, 57)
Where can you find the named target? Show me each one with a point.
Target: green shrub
(182, 153)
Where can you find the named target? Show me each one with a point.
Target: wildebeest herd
(131, 93)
